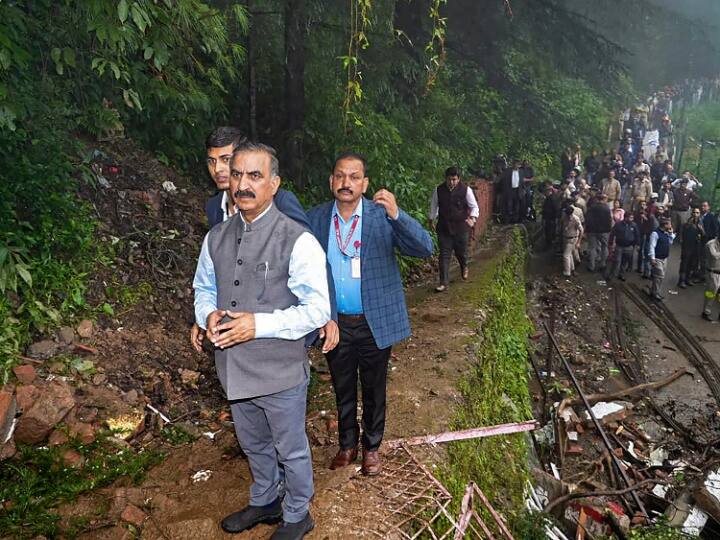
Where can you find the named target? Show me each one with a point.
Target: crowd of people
(623, 208)
(272, 279)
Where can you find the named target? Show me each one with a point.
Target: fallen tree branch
(608, 493)
(633, 390)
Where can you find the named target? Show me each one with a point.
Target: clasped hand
(239, 329)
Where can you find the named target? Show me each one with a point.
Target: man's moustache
(346, 190)
(244, 194)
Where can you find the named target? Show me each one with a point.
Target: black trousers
(357, 353)
(449, 243)
(512, 205)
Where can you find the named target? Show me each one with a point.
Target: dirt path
(421, 392)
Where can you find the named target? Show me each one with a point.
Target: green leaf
(148, 53)
(59, 68)
(138, 18)
(69, 56)
(3, 254)
(122, 10)
(107, 308)
(24, 273)
(55, 54)
(115, 69)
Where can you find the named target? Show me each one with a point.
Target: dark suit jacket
(285, 201)
(506, 181)
(381, 286)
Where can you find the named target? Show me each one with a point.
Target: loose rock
(66, 335)
(73, 459)
(25, 374)
(85, 328)
(133, 515)
(26, 396)
(42, 350)
(53, 404)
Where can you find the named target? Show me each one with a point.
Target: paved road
(687, 304)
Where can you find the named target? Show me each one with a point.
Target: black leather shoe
(250, 516)
(706, 316)
(294, 531)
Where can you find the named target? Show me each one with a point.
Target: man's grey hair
(249, 146)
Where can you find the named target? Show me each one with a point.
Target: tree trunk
(295, 30)
(252, 80)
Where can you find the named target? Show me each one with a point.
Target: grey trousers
(623, 257)
(657, 273)
(598, 250)
(679, 218)
(271, 432)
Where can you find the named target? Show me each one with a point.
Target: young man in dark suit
(360, 237)
(219, 147)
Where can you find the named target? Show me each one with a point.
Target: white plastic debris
(660, 490)
(153, 409)
(211, 434)
(695, 522)
(169, 186)
(572, 435)
(103, 182)
(10, 431)
(201, 476)
(603, 408)
(657, 456)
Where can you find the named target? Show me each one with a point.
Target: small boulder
(85, 328)
(42, 350)
(26, 374)
(7, 450)
(189, 377)
(66, 335)
(51, 406)
(57, 438)
(73, 459)
(84, 433)
(26, 396)
(133, 515)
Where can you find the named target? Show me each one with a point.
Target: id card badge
(355, 267)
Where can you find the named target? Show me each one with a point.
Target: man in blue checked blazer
(360, 238)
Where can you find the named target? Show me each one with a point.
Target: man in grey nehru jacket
(260, 287)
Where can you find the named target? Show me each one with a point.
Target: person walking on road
(658, 252)
(625, 236)
(598, 224)
(682, 200)
(454, 207)
(513, 187)
(361, 237)
(712, 281)
(691, 249)
(572, 234)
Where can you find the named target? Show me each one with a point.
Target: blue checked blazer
(381, 287)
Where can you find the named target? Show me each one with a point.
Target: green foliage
(36, 482)
(703, 125)
(496, 392)
(658, 531)
(176, 435)
(158, 70)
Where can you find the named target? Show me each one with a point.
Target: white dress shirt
(307, 280)
(469, 199)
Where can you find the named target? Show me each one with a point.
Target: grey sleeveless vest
(251, 265)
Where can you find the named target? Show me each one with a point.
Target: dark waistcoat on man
(662, 248)
(251, 271)
(452, 208)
